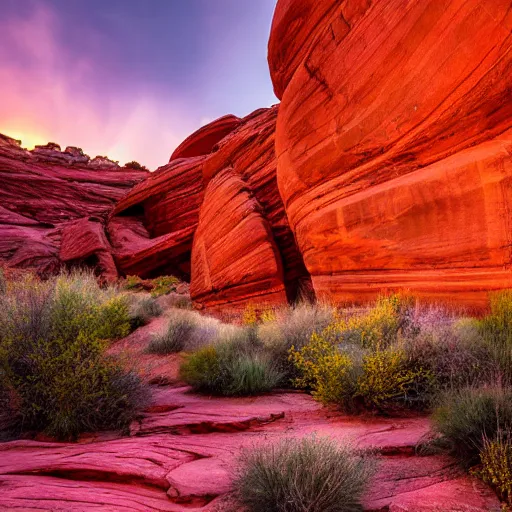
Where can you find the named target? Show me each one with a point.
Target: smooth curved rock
(202, 141)
(298, 24)
(250, 152)
(152, 227)
(193, 469)
(393, 148)
(234, 258)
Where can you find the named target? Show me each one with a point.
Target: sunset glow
(120, 80)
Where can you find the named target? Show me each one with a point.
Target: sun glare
(29, 140)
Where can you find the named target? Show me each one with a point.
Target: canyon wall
(386, 166)
(394, 144)
(54, 205)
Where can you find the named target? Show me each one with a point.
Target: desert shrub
(379, 325)
(292, 328)
(464, 418)
(302, 475)
(496, 466)
(249, 315)
(451, 350)
(388, 378)
(232, 367)
(133, 283)
(135, 165)
(328, 372)
(496, 330)
(178, 334)
(164, 285)
(143, 310)
(52, 355)
(352, 377)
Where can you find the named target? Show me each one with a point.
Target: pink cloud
(48, 94)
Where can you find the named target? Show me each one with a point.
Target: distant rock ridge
(54, 205)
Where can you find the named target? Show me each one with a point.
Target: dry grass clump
(52, 355)
(302, 475)
(234, 365)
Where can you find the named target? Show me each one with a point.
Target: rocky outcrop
(54, 205)
(393, 144)
(180, 456)
(203, 140)
(153, 228)
(235, 259)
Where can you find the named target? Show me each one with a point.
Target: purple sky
(129, 78)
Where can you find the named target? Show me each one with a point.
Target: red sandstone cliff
(386, 166)
(394, 144)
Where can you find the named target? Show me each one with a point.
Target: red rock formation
(152, 227)
(180, 456)
(42, 195)
(250, 152)
(203, 140)
(234, 259)
(84, 241)
(394, 155)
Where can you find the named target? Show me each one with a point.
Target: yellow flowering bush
(378, 326)
(250, 316)
(387, 376)
(324, 369)
(358, 360)
(496, 467)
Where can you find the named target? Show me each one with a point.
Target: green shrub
(175, 338)
(231, 368)
(352, 378)
(387, 378)
(302, 475)
(377, 327)
(496, 330)
(496, 466)
(453, 352)
(464, 418)
(143, 310)
(282, 330)
(133, 283)
(164, 285)
(251, 374)
(52, 355)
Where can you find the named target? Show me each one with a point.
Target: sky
(129, 79)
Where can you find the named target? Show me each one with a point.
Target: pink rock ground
(180, 455)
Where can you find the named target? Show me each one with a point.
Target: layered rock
(250, 152)
(235, 259)
(54, 205)
(393, 144)
(152, 227)
(203, 140)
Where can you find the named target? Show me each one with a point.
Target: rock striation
(217, 219)
(53, 206)
(202, 142)
(393, 142)
(180, 457)
(386, 166)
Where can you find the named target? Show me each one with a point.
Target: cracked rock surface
(179, 457)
